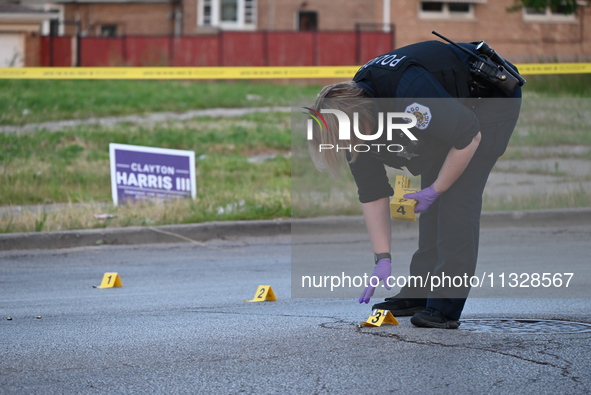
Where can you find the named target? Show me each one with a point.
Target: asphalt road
(180, 325)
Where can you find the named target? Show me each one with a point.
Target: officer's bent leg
(425, 258)
(458, 231)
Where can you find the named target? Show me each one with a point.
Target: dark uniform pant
(449, 229)
(448, 239)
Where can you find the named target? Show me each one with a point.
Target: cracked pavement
(180, 324)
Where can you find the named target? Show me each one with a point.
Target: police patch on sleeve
(422, 113)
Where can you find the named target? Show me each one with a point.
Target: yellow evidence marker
(402, 209)
(379, 317)
(111, 280)
(263, 293)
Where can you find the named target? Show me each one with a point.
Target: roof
(16, 13)
(12, 8)
(39, 2)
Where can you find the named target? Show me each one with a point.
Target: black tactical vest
(384, 72)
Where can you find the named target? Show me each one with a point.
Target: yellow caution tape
(554, 68)
(171, 73)
(229, 73)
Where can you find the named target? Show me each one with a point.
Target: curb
(537, 218)
(198, 233)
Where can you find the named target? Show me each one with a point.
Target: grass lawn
(71, 166)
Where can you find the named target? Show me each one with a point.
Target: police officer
(464, 122)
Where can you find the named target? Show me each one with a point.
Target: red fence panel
(146, 51)
(56, 51)
(372, 44)
(101, 52)
(224, 49)
(243, 49)
(45, 51)
(196, 51)
(291, 48)
(336, 49)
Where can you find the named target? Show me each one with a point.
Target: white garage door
(12, 50)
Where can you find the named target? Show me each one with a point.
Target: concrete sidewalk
(202, 232)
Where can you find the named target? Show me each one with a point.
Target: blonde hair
(349, 98)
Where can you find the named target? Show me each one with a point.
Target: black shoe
(433, 318)
(400, 307)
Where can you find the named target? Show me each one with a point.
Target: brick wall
(332, 15)
(189, 8)
(508, 33)
(282, 14)
(518, 40)
(32, 49)
(131, 19)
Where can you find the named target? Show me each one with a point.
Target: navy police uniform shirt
(443, 121)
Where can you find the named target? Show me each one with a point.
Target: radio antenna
(497, 59)
(456, 45)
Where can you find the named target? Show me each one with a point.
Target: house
(19, 34)
(525, 35)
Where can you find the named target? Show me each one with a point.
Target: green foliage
(72, 165)
(30, 101)
(40, 223)
(567, 86)
(562, 6)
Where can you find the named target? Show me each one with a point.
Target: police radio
(489, 68)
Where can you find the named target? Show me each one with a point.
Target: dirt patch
(551, 170)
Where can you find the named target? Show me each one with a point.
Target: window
(227, 14)
(558, 14)
(459, 7)
(431, 6)
(108, 31)
(229, 11)
(444, 9)
(249, 12)
(55, 25)
(206, 12)
(308, 20)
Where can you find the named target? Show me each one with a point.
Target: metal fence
(222, 49)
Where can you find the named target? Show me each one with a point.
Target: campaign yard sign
(151, 173)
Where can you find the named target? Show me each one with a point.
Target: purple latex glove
(382, 271)
(424, 198)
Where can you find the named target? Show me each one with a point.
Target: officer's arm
(377, 220)
(454, 165)
(374, 191)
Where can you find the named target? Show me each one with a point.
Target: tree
(562, 6)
